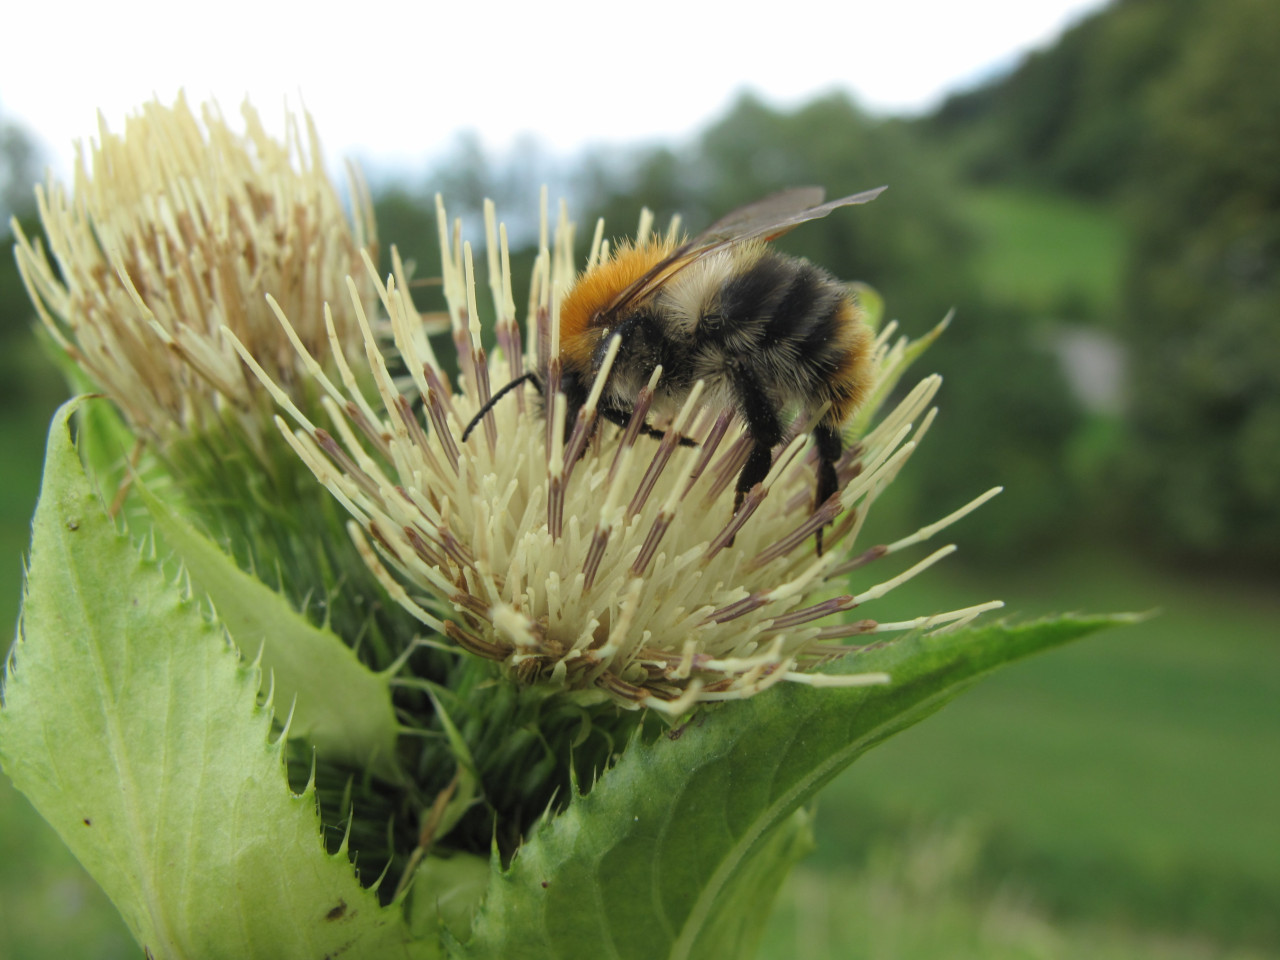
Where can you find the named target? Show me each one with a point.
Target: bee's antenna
(529, 376)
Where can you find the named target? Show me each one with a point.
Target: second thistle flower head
(181, 226)
(588, 555)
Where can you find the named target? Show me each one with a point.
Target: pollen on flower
(597, 559)
(177, 228)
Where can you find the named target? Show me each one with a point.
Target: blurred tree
(1202, 310)
(21, 161)
(1173, 110)
(407, 219)
(1072, 116)
(26, 379)
(1007, 417)
(470, 173)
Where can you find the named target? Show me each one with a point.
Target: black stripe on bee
(781, 304)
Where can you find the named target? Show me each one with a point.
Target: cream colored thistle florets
(611, 572)
(178, 228)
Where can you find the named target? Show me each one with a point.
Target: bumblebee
(772, 336)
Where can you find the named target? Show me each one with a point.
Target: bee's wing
(772, 208)
(777, 214)
(769, 218)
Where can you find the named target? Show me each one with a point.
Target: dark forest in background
(1169, 112)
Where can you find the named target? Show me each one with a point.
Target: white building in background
(1095, 365)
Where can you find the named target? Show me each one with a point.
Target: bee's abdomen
(798, 326)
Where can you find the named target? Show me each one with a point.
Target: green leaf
(339, 704)
(104, 441)
(871, 301)
(446, 892)
(114, 456)
(658, 860)
(134, 727)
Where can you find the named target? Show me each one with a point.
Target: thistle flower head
(178, 228)
(615, 566)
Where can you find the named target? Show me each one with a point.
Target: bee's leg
(615, 416)
(649, 431)
(575, 398)
(623, 419)
(570, 423)
(829, 444)
(766, 432)
(753, 471)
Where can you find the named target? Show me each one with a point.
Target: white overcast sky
(393, 84)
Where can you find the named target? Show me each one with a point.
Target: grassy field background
(1075, 267)
(1113, 799)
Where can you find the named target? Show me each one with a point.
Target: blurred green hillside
(1169, 113)
(1105, 220)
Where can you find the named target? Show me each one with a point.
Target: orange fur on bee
(595, 290)
(852, 381)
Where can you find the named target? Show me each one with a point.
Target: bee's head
(587, 313)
